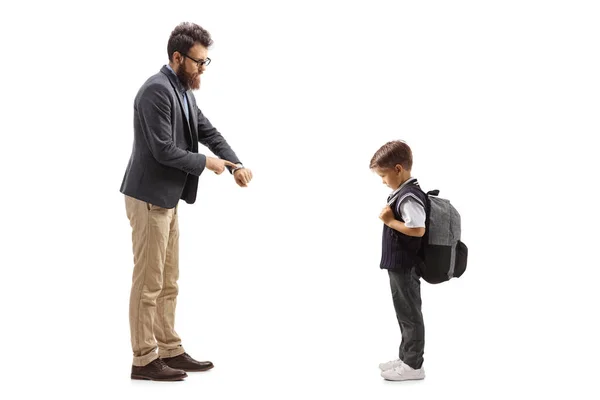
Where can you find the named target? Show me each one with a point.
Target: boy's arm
(402, 228)
(414, 215)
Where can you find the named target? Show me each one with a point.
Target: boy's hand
(387, 215)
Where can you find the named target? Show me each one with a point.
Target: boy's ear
(399, 168)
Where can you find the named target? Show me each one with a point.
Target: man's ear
(177, 57)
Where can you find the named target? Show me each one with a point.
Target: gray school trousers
(406, 293)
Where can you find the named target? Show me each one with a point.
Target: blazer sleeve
(154, 113)
(210, 137)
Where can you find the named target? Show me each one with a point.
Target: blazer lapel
(176, 85)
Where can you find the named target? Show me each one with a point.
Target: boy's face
(392, 177)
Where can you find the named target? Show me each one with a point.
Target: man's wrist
(238, 166)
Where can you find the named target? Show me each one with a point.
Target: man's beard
(188, 80)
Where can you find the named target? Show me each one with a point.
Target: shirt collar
(395, 192)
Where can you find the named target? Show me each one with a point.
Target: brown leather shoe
(157, 370)
(187, 363)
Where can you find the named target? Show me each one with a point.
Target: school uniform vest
(400, 250)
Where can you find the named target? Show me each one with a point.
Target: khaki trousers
(155, 237)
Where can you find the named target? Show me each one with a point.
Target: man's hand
(218, 165)
(387, 215)
(242, 176)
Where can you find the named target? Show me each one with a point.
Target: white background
(280, 285)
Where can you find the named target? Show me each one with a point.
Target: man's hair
(184, 36)
(391, 154)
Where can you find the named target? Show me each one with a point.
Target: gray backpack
(444, 255)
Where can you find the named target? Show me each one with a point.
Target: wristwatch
(237, 166)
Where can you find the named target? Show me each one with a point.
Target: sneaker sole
(402, 380)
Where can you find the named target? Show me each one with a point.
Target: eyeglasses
(200, 63)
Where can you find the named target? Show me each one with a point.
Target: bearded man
(164, 167)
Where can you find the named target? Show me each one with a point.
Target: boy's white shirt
(412, 212)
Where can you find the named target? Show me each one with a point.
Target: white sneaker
(403, 373)
(390, 364)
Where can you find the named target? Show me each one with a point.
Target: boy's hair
(184, 36)
(391, 154)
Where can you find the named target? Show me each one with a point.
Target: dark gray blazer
(165, 164)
